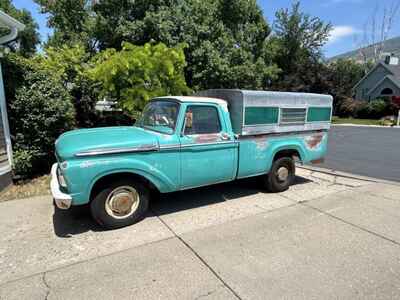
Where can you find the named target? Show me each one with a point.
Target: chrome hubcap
(122, 202)
(282, 174)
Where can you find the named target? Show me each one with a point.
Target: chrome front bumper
(62, 200)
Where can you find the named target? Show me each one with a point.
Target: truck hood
(108, 138)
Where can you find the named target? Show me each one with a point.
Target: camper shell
(264, 112)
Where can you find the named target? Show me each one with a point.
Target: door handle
(225, 137)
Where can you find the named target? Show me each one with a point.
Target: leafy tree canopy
(136, 74)
(70, 19)
(227, 39)
(29, 38)
(299, 38)
(68, 64)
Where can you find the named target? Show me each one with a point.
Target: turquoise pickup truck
(187, 142)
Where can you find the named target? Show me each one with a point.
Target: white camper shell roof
(264, 112)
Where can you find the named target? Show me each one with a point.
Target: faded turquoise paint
(179, 162)
(162, 168)
(203, 164)
(261, 115)
(257, 153)
(108, 137)
(319, 114)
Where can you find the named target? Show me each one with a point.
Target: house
(12, 27)
(382, 81)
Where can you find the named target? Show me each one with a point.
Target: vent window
(293, 115)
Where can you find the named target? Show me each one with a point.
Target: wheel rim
(122, 202)
(282, 174)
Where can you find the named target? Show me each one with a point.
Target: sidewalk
(327, 237)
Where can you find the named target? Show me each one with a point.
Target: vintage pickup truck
(187, 142)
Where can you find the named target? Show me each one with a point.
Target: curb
(346, 175)
(361, 125)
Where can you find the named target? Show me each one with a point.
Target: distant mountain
(391, 46)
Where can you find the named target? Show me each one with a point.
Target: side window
(202, 120)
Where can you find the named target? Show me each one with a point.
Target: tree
(299, 38)
(220, 53)
(29, 38)
(375, 33)
(342, 76)
(136, 74)
(71, 21)
(68, 64)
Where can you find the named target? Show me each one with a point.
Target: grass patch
(336, 120)
(28, 188)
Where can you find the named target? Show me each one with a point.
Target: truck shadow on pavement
(78, 220)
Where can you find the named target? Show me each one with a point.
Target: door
(208, 152)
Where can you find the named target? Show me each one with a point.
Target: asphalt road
(367, 151)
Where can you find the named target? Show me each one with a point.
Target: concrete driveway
(327, 237)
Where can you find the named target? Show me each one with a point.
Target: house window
(387, 91)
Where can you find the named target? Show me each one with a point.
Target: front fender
(83, 174)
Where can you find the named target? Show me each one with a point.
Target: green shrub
(374, 109)
(41, 111)
(24, 162)
(349, 108)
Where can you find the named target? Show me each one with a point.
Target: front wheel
(281, 175)
(120, 203)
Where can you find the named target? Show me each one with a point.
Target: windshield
(160, 116)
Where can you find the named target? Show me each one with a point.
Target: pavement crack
(351, 224)
(202, 260)
(48, 289)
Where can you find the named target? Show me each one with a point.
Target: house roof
(392, 69)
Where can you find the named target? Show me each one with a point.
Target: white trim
(5, 170)
(10, 21)
(4, 116)
(14, 26)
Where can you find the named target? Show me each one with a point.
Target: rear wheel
(120, 203)
(281, 175)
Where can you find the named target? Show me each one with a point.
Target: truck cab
(187, 142)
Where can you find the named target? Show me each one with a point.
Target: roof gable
(391, 71)
(391, 78)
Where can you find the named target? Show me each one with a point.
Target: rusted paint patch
(261, 143)
(314, 141)
(318, 161)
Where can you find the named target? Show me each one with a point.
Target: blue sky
(347, 17)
